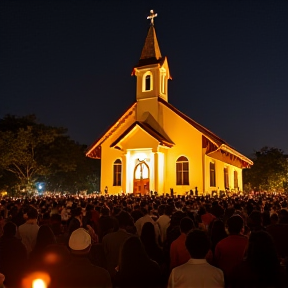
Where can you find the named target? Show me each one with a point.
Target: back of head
(218, 231)
(45, 237)
(235, 224)
(263, 258)
(255, 219)
(168, 210)
(176, 218)
(131, 254)
(32, 213)
(80, 241)
(124, 219)
(186, 224)
(148, 233)
(105, 211)
(9, 229)
(197, 244)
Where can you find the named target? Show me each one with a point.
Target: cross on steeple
(152, 16)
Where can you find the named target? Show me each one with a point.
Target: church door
(141, 178)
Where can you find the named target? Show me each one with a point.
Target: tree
(85, 177)
(269, 172)
(31, 150)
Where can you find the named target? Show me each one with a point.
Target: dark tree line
(269, 172)
(31, 152)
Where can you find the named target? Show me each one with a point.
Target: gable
(94, 151)
(140, 135)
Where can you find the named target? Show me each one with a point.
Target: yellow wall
(188, 142)
(219, 168)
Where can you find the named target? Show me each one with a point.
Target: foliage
(31, 152)
(269, 172)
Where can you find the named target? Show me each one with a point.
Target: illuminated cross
(152, 16)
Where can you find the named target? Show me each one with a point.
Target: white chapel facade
(155, 147)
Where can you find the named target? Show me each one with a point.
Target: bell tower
(152, 70)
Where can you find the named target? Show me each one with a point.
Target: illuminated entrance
(141, 178)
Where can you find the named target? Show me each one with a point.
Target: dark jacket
(13, 260)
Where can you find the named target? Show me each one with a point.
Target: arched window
(147, 84)
(212, 175)
(236, 180)
(182, 171)
(226, 178)
(117, 173)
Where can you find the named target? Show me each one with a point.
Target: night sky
(70, 63)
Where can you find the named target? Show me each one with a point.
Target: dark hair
(263, 259)
(186, 224)
(32, 213)
(255, 219)
(105, 211)
(45, 237)
(148, 233)
(124, 219)
(132, 253)
(9, 229)
(218, 232)
(197, 244)
(235, 224)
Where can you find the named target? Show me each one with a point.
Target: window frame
(117, 172)
(182, 171)
(144, 82)
(226, 177)
(212, 169)
(236, 183)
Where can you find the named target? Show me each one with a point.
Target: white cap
(79, 239)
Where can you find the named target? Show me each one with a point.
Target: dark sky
(70, 63)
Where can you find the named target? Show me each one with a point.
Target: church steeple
(151, 47)
(152, 70)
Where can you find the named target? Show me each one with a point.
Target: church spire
(151, 48)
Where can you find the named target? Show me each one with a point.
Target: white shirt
(163, 223)
(196, 273)
(28, 233)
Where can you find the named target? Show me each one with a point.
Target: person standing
(178, 251)
(112, 242)
(230, 251)
(13, 256)
(29, 230)
(80, 272)
(197, 272)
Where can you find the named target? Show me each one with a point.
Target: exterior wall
(162, 161)
(109, 155)
(188, 143)
(154, 92)
(145, 105)
(219, 170)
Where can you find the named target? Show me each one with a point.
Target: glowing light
(38, 283)
(36, 280)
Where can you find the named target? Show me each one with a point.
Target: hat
(79, 239)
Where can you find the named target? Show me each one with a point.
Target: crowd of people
(144, 241)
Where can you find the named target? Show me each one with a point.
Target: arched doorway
(141, 178)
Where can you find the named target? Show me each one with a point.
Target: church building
(155, 147)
